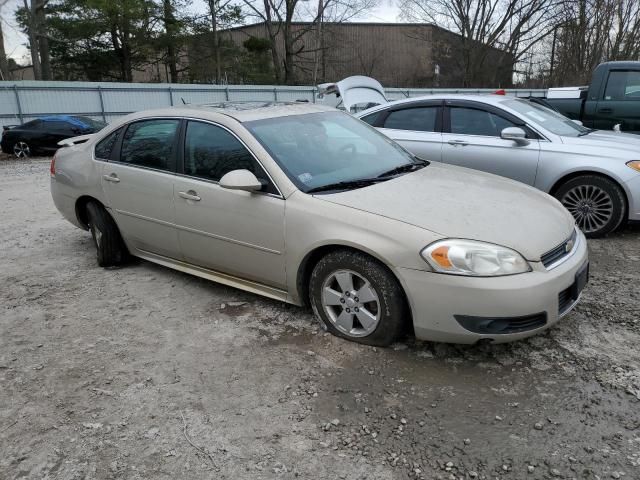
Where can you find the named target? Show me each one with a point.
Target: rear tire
(597, 203)
(110, 248)
(21, 150)
(358, 298)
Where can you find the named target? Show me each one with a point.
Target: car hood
(458, 202)
(609, 140)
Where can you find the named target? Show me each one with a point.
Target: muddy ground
(144, 372)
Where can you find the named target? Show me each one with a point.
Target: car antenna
(183, 102)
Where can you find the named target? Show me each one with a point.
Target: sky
(14, 39)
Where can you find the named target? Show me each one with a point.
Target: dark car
(41, 136)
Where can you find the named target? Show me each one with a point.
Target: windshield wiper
(409, 167)
(589, 130)
(347, 185)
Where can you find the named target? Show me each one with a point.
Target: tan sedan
(311, 206)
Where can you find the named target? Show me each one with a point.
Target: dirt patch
(144, 372)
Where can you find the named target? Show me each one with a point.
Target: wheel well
(312, 258)
(573, 175)
(81, 209)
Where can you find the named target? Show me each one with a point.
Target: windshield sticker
(305, 177)
(535, 115)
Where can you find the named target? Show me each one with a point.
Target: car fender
(392, 242)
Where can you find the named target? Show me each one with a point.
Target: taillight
(52, 168)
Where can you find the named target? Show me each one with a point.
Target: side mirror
(240, 180)
(516, 134)
(577, 122)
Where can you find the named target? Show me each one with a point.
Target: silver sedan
(308, 205)
(594, 174)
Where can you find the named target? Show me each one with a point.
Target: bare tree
(513, 26)
(222, 14)
(4, 65)
(280, 16)
(36, 29)
(589, 32)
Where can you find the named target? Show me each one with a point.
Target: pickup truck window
(622, 85)
(551, 121)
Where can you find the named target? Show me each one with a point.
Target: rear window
(104, 148)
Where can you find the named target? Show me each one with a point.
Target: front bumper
(437, 299)
(632, 188)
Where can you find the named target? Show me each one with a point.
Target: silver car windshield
(319, 149)
(551, 121)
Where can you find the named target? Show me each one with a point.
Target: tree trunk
(4, 66)
(33, 39)
(43, 41)
(213, 8)
(273, 40)
(170, 31)
(289, 74)
(318, 44)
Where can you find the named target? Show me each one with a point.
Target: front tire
(597, 203)
(110, 248)
(358, 298)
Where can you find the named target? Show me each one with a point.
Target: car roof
(64, 118)
(249, 111)
(490, 98)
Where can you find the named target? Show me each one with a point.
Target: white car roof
(240, 111)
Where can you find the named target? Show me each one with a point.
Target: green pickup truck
(612, 101)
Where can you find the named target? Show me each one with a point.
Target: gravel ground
(144, 372)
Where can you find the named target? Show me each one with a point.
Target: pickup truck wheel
(597, 203)
(110, 248)
(358, 298)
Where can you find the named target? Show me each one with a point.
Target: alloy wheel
(21, 150)
(351, 303)
(590, 205)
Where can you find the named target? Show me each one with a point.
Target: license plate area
(581, 280)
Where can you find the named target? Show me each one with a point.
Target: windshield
(319, 149)
(552, 121)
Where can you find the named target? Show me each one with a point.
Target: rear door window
(150, 144)
(419, 119)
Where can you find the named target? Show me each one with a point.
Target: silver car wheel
(351, 303)
(21, 150)
(591, 206)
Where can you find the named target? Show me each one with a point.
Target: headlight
(472, 258)
(635, 164)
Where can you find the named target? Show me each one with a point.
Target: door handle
(462, 143)
(605, 110)
(190, 195)
(111, 178)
